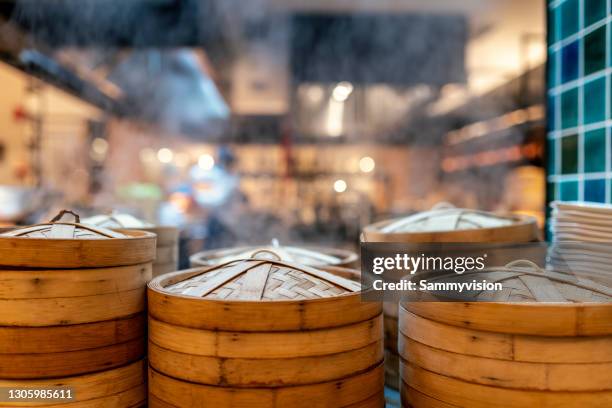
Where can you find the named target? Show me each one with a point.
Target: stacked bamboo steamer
(167, 251)
(262, 332)
(72, 303)
(443, 223)
(310, 255)
(548, 345)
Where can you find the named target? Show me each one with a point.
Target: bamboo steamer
(167, 251)
(60, 244)
(241, 334)
(375, 401)
(308, 255)
(550, 345)
(443, 223)
(119, 387)
(57, 322)
(355, 391)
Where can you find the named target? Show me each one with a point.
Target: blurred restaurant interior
(243, 122)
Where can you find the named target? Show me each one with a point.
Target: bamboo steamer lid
(166, 235)
(116, 220)
(446, 223)
(311, 256)
(260, 294)
(63, 244)
(533, 301)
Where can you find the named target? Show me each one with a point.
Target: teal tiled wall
(579, 99)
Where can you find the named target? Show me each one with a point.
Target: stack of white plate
(582, 240)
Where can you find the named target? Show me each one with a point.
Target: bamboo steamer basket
(74, 245)
(443, 223)
(308, 255)
(375, 401)
(550, 345)
(57, 322)
(240, 334)
(167, 251)
(119, 387)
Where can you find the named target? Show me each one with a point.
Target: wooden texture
(287, 344)
(228, 336)
(523, 282)
(245, 315)
(503, 346)
(166, 236)
(278, 282)
(412, 398)
(59, 283)
(167, 251)
(337, 257)
(376, 401)
(338, 393)
(59, 339)
(71, 310)
(133, 398)
(93, 390)
(166, 254)
(264, 372)
(162, 269)
(137, 248)
(70, 363)
(524, 229)
(167, 241)
(543, 319)
(509, 374)
(59, 322)
(467, 394)
(448, 365)
(64, 230)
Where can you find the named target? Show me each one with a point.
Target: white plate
(598, 208)
(564, 236)
(585, 233)
(567, 226)
(597, 220)
(583, 256)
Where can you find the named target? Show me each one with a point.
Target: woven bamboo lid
(524, 281)
(446, 223)
(260, 293)
(532, 301)
(264, 277)
(69, 244)
(311, 256)
(166, 235)
(116, 220)
(57, 228)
